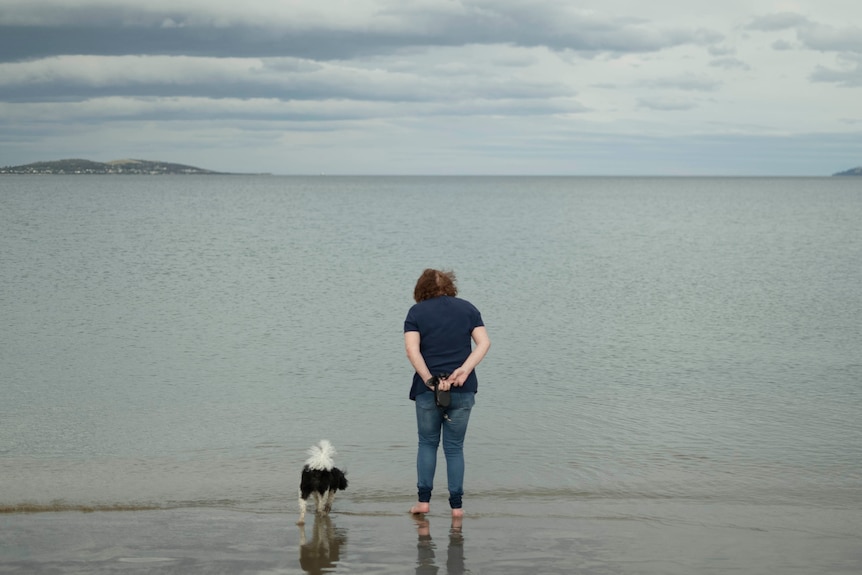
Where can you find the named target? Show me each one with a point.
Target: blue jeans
(430, 423)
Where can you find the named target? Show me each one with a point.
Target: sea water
(668, 350)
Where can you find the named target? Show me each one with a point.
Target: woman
(437, 335)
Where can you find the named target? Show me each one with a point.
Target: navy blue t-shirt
(444, 324)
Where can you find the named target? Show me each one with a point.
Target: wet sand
(221, 541)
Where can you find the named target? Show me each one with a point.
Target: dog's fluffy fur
(320, 477)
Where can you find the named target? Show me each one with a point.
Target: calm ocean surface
(665, 350)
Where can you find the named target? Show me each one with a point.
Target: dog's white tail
(321, 456)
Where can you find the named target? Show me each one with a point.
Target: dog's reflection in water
(323, 552)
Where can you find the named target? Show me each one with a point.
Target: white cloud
(665, 104)
(831, 38)
(848, 75)
(782, 44)
(687, 82)
(122, 70)
(778, 21)
(729, 63)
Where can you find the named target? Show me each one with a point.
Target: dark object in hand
(440, 397)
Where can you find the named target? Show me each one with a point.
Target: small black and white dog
(321, 477)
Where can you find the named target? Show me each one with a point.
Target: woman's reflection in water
(426, 548)
(322, 553)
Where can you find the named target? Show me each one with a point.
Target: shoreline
(216, 540)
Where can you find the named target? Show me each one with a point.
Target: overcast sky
(609, 87)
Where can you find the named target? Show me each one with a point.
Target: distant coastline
(157, 168)
(113, 168)
(850, 172)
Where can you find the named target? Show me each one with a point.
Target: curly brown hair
(434, 283)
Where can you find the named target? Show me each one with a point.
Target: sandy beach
(220, 541)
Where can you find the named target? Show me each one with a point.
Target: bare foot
(459, 513)
(420, 508)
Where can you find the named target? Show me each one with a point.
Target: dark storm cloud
(26, 43)
(129, 30)
(35, 33)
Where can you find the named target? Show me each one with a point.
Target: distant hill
(851, 172)
(116, 167)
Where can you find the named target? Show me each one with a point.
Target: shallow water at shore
(699, 539)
